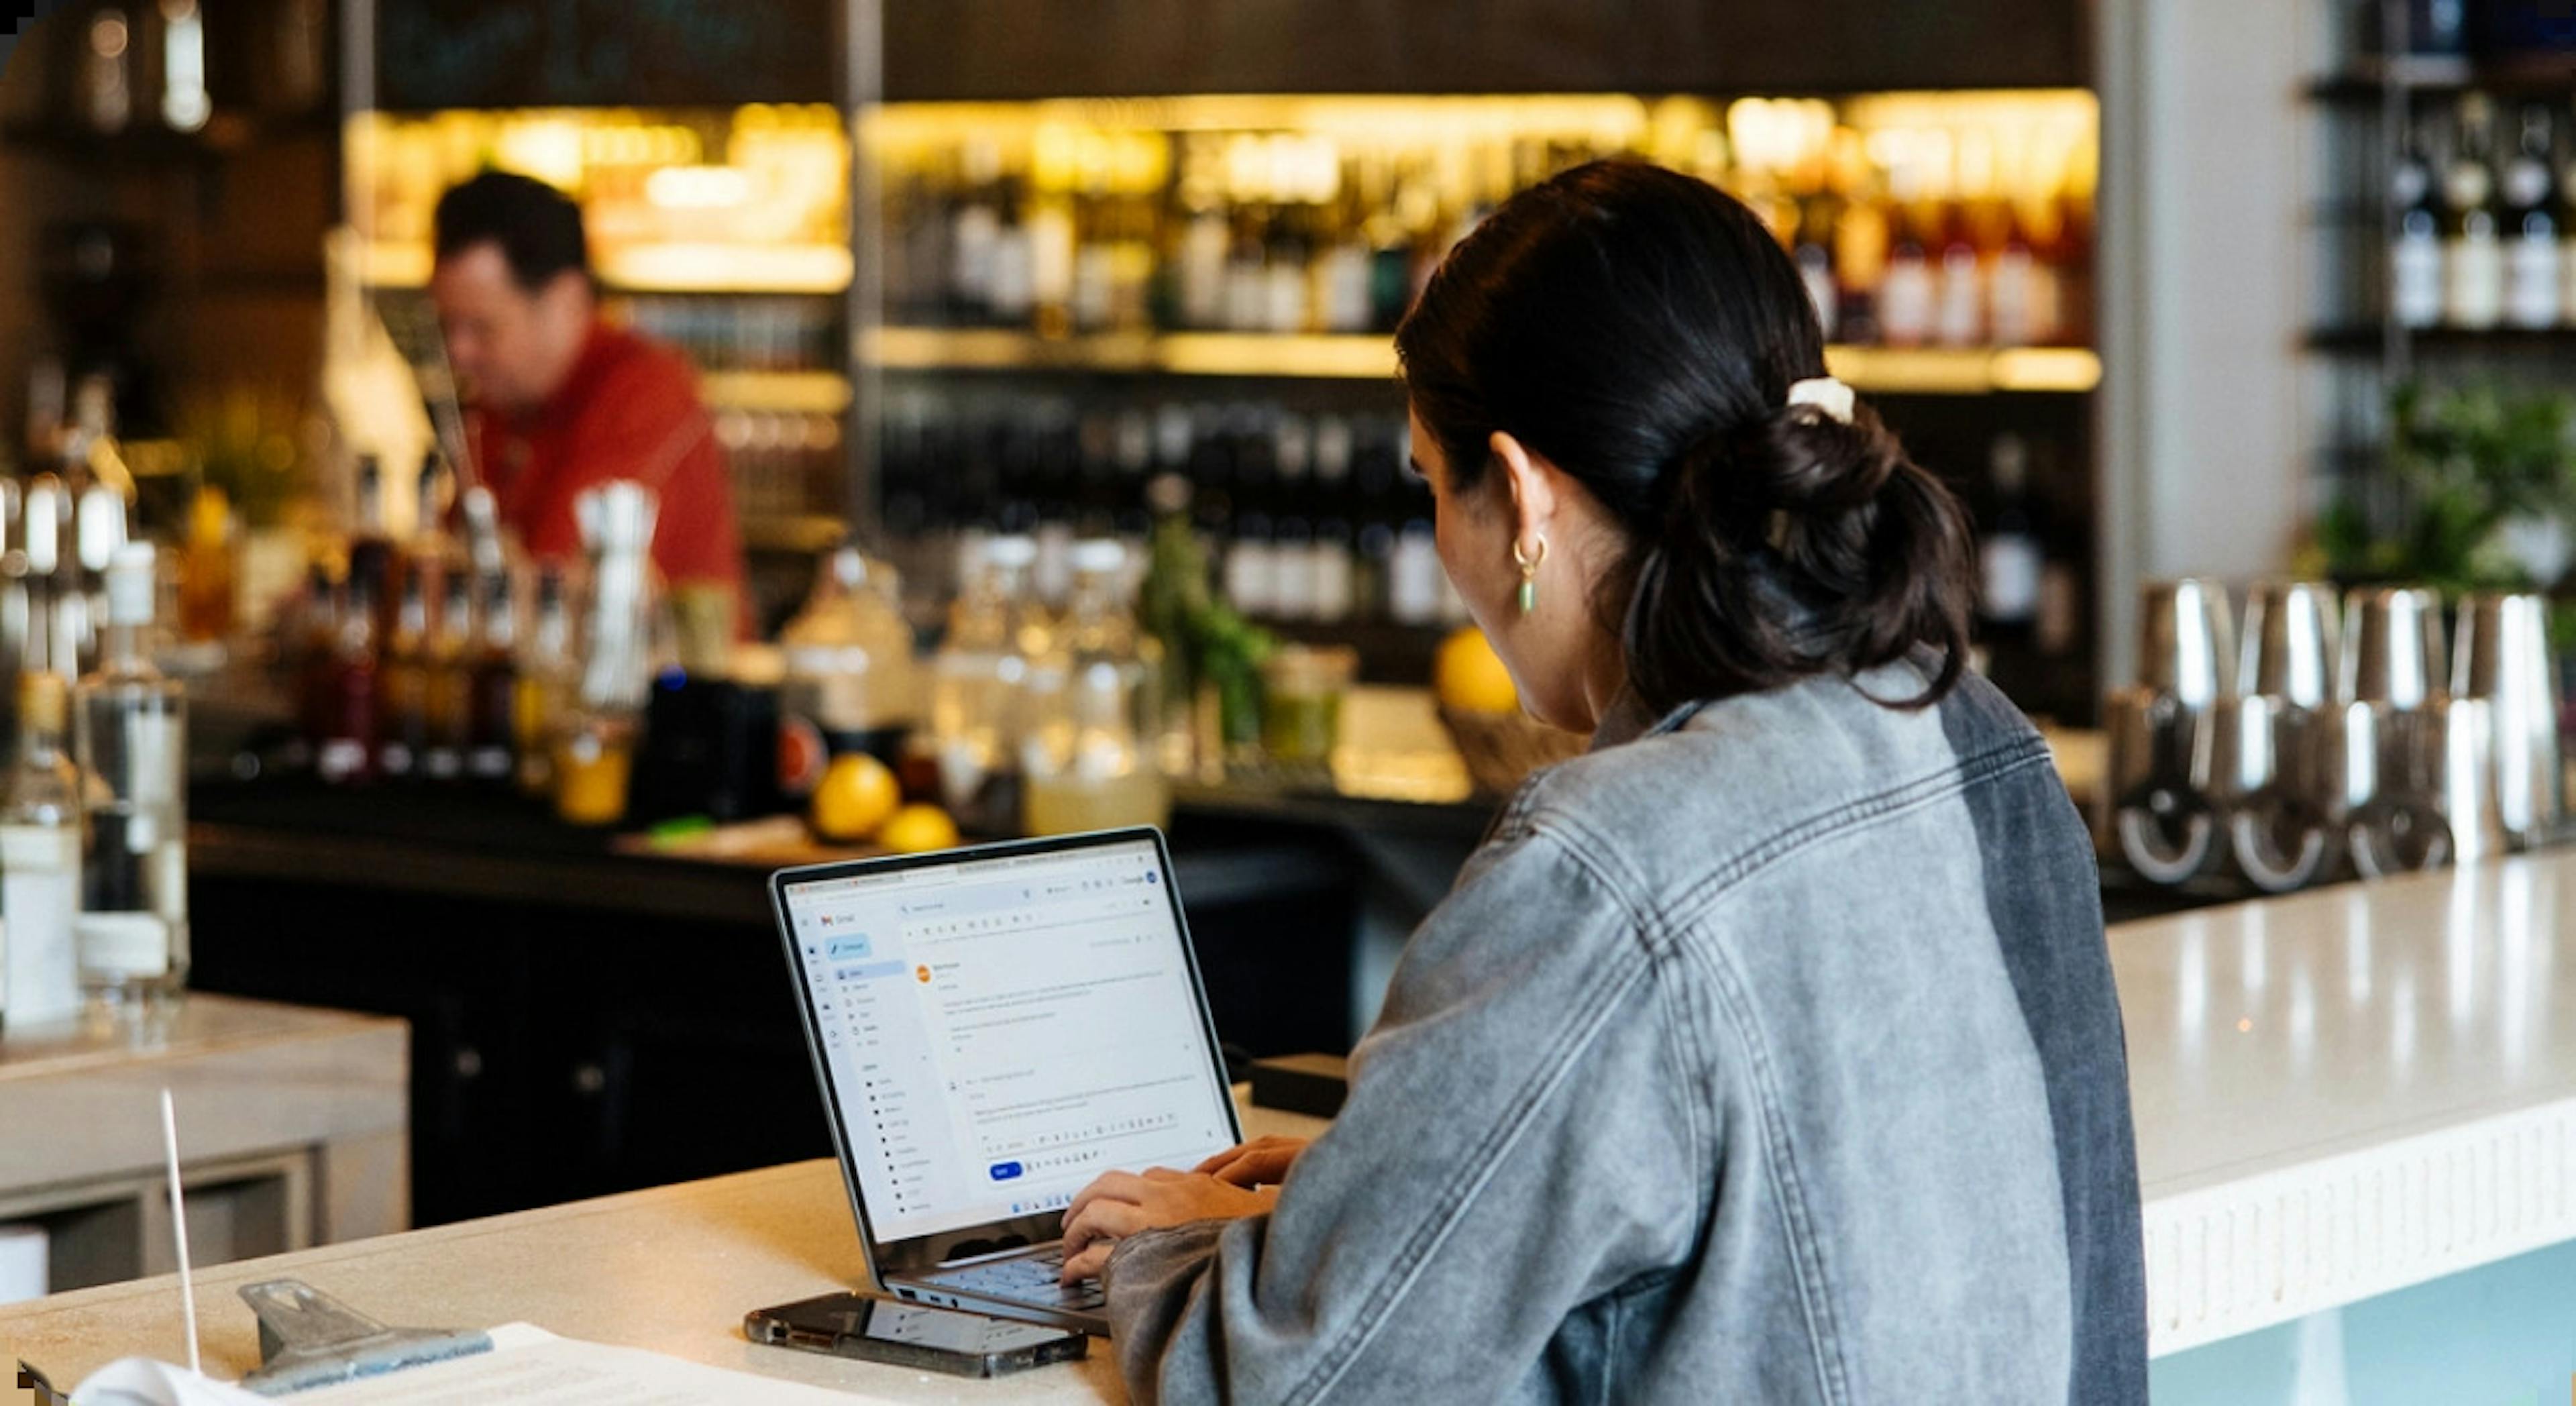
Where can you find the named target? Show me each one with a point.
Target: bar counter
(2339, 1094)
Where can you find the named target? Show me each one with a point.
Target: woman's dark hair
(1641, 330)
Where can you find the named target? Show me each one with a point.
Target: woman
(1766, 1053)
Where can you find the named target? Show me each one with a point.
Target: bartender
(560, 401)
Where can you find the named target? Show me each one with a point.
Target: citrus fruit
(1468, 676)
(918, 829)
(855, 796)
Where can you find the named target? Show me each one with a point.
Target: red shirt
(629, 410)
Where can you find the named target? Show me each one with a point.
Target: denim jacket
(1765, 1054)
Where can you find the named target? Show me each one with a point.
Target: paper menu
(527, 1364)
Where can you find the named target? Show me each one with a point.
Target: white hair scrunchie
(1826, 394)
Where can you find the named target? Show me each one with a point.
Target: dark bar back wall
(1014, 49)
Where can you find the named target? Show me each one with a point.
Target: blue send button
(1004, 1171)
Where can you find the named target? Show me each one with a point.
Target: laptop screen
(1000, 1031)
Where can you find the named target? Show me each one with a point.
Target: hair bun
(1812, 543)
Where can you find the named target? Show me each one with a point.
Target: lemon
(1468, 676)
(918, 829)
(856, 795)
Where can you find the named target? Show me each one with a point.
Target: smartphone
(913, 1335)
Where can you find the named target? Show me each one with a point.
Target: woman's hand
(1264, 1161)
(1121, 1204)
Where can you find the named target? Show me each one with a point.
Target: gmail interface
(1002, 1031)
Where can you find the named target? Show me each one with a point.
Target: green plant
(2464, 461)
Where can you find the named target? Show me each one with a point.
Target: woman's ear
(1532, 481)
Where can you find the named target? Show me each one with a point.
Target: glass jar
(1302, 688)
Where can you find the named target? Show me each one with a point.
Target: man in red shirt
(559, 400)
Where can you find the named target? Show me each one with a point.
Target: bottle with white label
(2473, 256)
(40, 859)
(2532, 273)
(133, 728)
(2415, 254)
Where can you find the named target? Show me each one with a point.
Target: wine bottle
(2533, 277)
(2473, 252)
(2415, 252)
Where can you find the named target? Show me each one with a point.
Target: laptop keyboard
(1028, 1279)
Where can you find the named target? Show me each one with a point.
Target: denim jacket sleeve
(1528, 1129)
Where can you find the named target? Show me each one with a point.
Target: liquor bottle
(2532, 274)
(1207, 242)
(2008, 551)
(1908, 292)
(1814, 257)
(2415, 253)
(1247, 272)
(133, 742)
(974, 234)
(1011, 297)
(1251, 569)
(447, 680)
(344, 752)
(492, 731)
(1292, 524)
(545, 683)
(184, 104)
(372, 557)
(2473, 252)
(402, 723)
(429, 552)
(316, 642)
(1287, 302)
(40, 860)
(1333, 568)
(107, 70)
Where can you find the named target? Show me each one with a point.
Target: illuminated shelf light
(1885, 370)
(791, 392)
(818, 269)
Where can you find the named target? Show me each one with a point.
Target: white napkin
(140, 1381)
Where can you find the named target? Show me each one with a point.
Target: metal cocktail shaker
(2164, 734)
(2281, 781)
(2503, 664)
(2392, 744)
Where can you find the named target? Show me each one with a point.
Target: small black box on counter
(1312, 1084)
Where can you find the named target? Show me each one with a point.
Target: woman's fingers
(1088, 1264)
(1123, 1186)
(1101, 1222)
(1260, 1162)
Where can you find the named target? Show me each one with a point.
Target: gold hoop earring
(1529, 573)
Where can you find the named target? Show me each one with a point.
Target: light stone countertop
(672, 1270)
(2338, 1094)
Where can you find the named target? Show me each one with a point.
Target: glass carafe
(975, 686)
(1090, 751)
(848, 654)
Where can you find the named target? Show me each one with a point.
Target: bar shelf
(1881, 370)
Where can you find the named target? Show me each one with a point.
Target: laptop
(994, 1027)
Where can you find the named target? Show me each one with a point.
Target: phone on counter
(913, 1335)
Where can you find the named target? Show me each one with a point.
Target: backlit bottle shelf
(788, 392)
(812, 269)
(1882, 370)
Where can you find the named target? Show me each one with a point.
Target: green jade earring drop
(1529, 574)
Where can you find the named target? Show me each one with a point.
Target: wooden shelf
(2369, 340)
(2526, 74)
(1880, 370)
